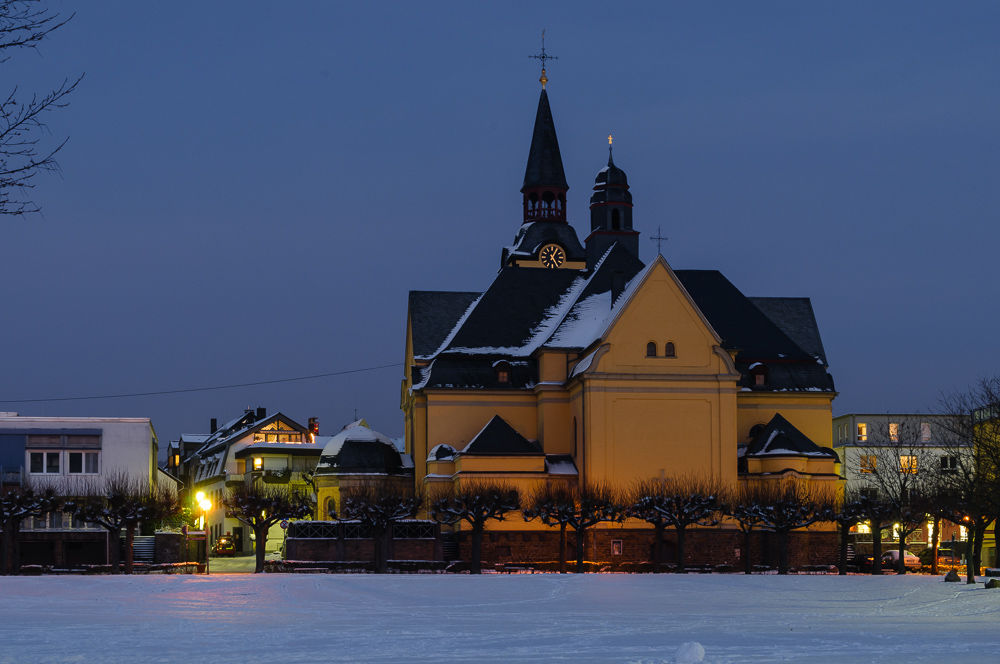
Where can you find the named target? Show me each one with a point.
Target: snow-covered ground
(496, 618)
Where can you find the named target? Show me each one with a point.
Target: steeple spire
(544, 187)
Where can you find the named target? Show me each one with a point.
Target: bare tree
(898, 461)
(476, 503)
(16, 505)
(790, 505)
(878, 513)
(972, 444)
(847, 512)
(122, 502)
(579, 508)
(676, 502)
(744, 503)
(260, 506)
(378, 504)
(24, 25)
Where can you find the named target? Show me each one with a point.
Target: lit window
(258, 463)
(867, 463)
(925, 432)
(651, 349)
(864, 528)
(862, 432)
(894, 432)
(908, 464)
(668, 349)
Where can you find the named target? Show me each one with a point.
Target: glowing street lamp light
(206, 505)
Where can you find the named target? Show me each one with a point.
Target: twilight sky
(251, 188)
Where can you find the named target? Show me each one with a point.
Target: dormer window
(758, 374)
(668, 349)
(502, 373)
(651, 349)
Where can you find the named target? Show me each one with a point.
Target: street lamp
(205, 504)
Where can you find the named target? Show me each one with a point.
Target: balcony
(10, 475)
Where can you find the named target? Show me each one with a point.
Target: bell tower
(545, 238)
(610, 213)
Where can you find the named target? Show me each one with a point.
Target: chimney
(214, 425)
(261, 413)
(617, 285)
(314, 426)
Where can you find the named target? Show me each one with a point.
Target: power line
(206, 389)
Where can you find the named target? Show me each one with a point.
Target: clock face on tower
(552, 255)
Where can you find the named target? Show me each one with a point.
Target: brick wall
(620, 546)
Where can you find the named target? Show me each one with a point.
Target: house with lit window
(911, 444)
(73, 453)
(254, 446)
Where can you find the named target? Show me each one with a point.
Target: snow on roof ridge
(458, 325)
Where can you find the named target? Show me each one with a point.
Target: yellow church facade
(581, 363)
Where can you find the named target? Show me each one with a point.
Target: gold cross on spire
(544, 57)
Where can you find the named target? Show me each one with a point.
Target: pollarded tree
(260, 506)
(378, 504)
(122, 502)
(846, 513)
(744, 504)
(476, 503)
(24, 25)
(579, 508)
(678, 503)
(16, 505)
(878, 513)
(791, 506)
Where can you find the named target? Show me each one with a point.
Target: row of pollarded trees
(676, 503)
(117, 502)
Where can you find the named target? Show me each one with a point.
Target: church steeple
(545, 187)
(610, 213)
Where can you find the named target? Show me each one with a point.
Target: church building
(582, 363)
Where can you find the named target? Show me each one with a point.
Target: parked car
(225, 546)
(890, 560)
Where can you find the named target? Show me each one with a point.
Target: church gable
(657, 328)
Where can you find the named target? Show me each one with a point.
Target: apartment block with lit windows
(911, 443)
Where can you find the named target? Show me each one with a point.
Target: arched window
(502, 372)
(651, 349)
(668, 349)
(533, 201)
(616, 221)
(547, 199)
(758, 374)
(331, 508)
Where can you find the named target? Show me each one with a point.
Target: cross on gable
(659, 238)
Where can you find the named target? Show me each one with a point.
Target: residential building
(254, 446)
(73, 453)
(916, 447)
